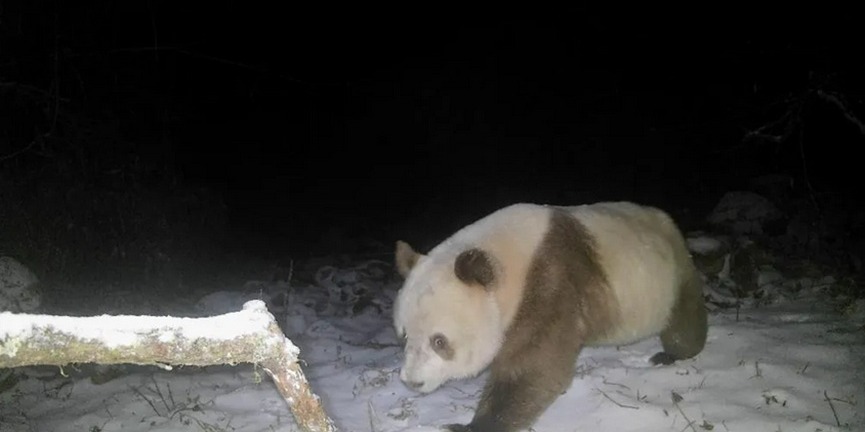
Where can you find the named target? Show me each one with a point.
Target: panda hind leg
(685, 335)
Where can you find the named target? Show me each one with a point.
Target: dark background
(317, 127)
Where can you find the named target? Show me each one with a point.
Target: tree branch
(248, 336)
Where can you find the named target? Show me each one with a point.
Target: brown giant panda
(523, 289)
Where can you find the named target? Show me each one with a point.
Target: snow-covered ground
(791, 362)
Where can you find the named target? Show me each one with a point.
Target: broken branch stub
(250, 335)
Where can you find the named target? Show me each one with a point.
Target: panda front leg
(513, 398)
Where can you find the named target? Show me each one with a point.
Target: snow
(790, 361)
(704, 245)
(124, 330)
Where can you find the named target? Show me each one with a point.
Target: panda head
(446, 314)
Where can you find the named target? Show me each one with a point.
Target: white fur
(639, 248)
(432, 299)
(645, 260)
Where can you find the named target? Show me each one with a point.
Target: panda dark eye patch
(441, 346)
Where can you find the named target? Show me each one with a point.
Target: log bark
(247, 336)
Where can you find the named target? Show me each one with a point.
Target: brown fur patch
(566, 300)
(475, 266)
(685, 335)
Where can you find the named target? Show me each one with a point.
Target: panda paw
(457, 428)
(662, 358)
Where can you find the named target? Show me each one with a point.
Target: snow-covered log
(247, 336)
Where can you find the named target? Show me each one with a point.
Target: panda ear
(474, 266)
(406, 258)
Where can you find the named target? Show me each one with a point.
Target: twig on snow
(831, 405)
(614, 401)
(676, 398)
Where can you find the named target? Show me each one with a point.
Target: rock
(744, 213)
(19, 287)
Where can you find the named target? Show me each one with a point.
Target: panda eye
(441, 346)
(438, 341)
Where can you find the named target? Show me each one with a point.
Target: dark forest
(149, 142)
